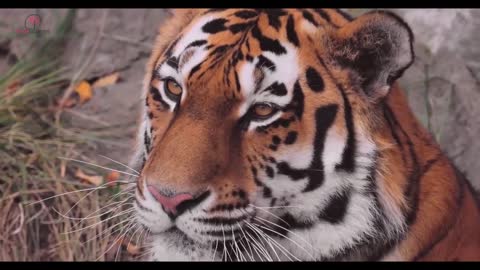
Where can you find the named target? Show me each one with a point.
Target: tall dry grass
(47, 214)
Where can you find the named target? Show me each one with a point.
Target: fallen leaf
(132, 249)
(63, 168)
(112, 177)
(84, 91)
(106, 80)
(12, 88)
(92, 179)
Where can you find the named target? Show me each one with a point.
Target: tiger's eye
(263, 110)
(173, 87)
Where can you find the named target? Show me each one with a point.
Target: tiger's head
(259, 124)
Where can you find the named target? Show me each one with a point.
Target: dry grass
(47, 214)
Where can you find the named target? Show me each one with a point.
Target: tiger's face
(262, 121)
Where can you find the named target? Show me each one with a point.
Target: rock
(457, 30)
(444, 95)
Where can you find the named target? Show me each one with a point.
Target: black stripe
(222, 233)
(412, 190)
(146, 141)
(195, 69)
(277, 89)
(297, 103)
(322, 14)
(264, 62)
(220, 50)
(314, 80)
(324, 118)
(345, 15)
(237, 81)
(348, 157)
(197, 43)
(220, 220)
(292, 224)
(215, 26)
(246, 14)
(291, 33)
(157, 97)
(307, 15)
(267, 44)
(235, 28)
(337, 207)
(169, 50)
(173, 62)
(291, 137)
(274, 15)
(185, 205)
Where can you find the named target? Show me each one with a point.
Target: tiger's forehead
(253, 52)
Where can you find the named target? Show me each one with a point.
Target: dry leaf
(63, 168)
(112, 177)
(92, 179)
(12, 88)
(133, 249)
(106, 80)
(84, 91)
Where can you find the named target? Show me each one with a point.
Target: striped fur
(341, 169)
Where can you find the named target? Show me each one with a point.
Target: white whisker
(121, 164)
(95, 165)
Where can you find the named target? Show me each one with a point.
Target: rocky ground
(442, 85)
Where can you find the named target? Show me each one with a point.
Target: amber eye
(172, 88)
(264, 110)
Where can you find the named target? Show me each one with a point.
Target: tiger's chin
(175, 245)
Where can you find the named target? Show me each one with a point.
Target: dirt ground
(443, 84)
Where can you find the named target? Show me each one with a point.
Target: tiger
(283, 135)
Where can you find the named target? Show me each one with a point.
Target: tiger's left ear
(377, 47)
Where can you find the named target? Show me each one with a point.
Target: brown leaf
(92, 179)
(133, 249)
(106, 80)
(12, 88)
(112, 177)
(84, 91)
(63, 168)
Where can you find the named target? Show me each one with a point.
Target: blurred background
(69, 92)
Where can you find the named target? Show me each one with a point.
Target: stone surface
(442, 84)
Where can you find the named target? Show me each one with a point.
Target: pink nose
(169, 204)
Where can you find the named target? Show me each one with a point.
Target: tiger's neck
(423, 188)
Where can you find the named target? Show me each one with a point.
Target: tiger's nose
(170, 204)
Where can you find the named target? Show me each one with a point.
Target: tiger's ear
(377, 47)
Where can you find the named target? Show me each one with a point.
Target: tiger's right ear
(376, 47)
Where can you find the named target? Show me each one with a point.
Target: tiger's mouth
(242, 244)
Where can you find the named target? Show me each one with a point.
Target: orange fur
(197, 150)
